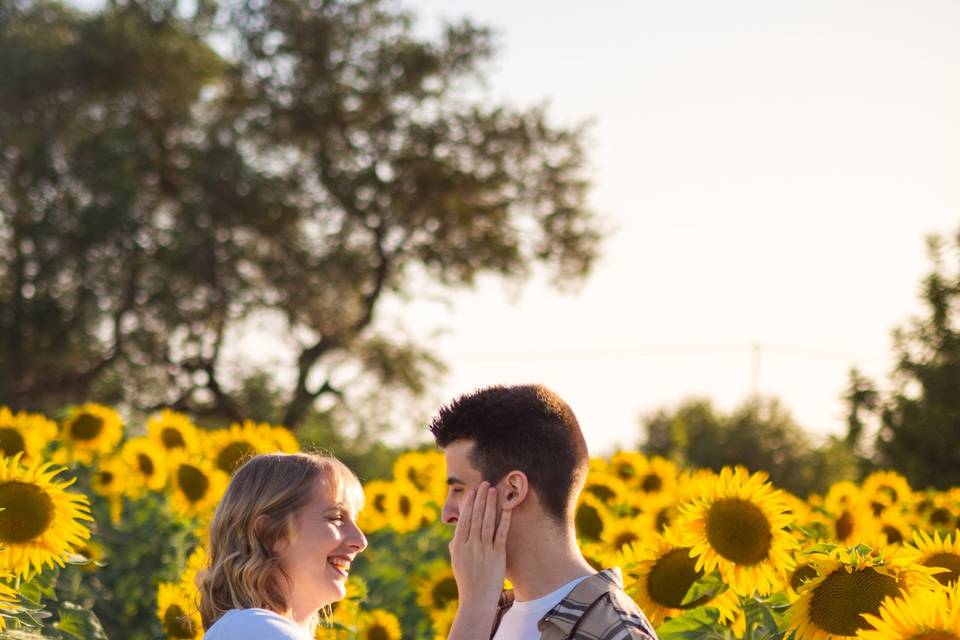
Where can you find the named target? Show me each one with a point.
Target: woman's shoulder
(254, 624)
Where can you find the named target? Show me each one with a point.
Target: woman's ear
(514, 488)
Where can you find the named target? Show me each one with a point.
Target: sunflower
(426, 470)
(442, 621)
(172, 431)
(943, 552)
(887, 488)
(378, 624)
(110, 480)
(195, 485)
(436, 588)
(941, 513)
(801, 573)
(623, 531)
(591, 518)
(841, 495)
(607, 488)
(626, 465)
(894, 527)
(39, 520)
(178, 612)
(89, 555)
(404, 507)
(147, 465)
(26, 433)
(851, 582)
(738, 525)
(655, 475)
(281, 438)
(851, 523)
(196, 562)
(925, 615)
(90, 430)
(374, 515)
(657, 512)
(659, 573)
(229, 448)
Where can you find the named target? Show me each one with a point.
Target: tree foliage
(165, 177)
(760, 434)
(919, 416)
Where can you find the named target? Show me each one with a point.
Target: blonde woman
(281, 544)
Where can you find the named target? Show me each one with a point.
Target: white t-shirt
(254, 624)
(520, 620)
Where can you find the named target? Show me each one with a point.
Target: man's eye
(456, 490)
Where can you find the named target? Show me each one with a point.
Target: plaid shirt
(596, 609)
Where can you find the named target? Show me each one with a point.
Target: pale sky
(771, 170)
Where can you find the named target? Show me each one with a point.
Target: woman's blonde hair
(258, 510)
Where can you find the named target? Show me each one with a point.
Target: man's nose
(449, 515)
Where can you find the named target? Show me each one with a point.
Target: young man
(526, 443)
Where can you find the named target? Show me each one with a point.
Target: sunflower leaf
(704, 589)
(823, 547)
(696, 624)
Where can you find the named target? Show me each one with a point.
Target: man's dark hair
(527, 428)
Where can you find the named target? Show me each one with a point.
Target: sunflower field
(102, 535)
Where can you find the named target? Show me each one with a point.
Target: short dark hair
(527, 428)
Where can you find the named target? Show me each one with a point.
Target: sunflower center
(625, 538)
(801, 575)
(233, 454)
(893, 534)
(27, 511)
(843, 526)
(193, 482)
(663, 519)
(588, 522)
(417, 479)
(11, 442)
(838, 601)
(378, 502)
(444, 592)
(106, 478)
(739, 531)
(145, 464)
(671, 578)
(935, 635)
(405, 505)
(947, 561)
(177, 623)
(603, 492)
(86, 427)
(625, 471)
(651, 482)
(172, 438)
(940, 516)
(377, 632)
(878, 508)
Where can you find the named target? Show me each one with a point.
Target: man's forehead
(457, 455)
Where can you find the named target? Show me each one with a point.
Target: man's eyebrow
(455, 480)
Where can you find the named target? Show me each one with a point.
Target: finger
(500, 541)
(476, 518)
(489, 517)
(462, 532)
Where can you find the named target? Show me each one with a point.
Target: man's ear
(514, 488)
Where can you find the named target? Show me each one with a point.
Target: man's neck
(541, 564)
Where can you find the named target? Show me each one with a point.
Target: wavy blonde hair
(259, 509)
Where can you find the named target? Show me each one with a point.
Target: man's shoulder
(599, 609)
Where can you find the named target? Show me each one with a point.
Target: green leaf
(823, 547)
(704, 589)
(79, 623)
(696, 624)
(862, 549)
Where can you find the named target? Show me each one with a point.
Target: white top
(254, 624)
(520, 620)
